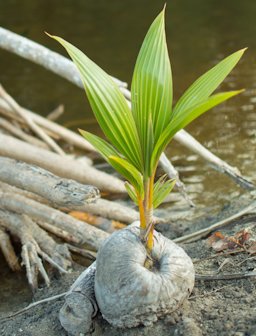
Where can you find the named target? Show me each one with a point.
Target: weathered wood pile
(39, 187)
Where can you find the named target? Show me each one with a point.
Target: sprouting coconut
(141, 275)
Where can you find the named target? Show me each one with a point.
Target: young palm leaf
(131, 192)
(205, 85)
(152, 89)
(129, 172)
(104, 148)
(181, 120)
(137, 137)
(108, 104)
(162, 189)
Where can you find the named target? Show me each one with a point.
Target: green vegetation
(136, 137)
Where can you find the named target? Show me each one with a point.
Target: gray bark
(102, 207)
(112, 210)
(61, 166)
(86, 233)
(58, 191)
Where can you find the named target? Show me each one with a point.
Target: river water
(199, 34)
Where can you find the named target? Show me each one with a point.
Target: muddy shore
(225, 307)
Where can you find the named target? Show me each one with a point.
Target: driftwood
(56, 130)
(61, 166)
(173, 174)
(8, 251)
(58, 191)
(34, 127)
(36, 244)
(46, 58)
(112, 210)
(65, 68)
(187, 140)
(103, 208)
(86, 233)
(17, 132)
(56, 113)
(4, 187)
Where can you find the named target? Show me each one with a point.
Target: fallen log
(85, 233)
(58, 191)
(61, 166)
(80, 304)
(112, 210)
(65, 68)
(4, 187)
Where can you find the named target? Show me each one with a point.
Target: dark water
(199, 33)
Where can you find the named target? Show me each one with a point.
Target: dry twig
(22, 135)
(33, 126)
(32, 305)
(204, 232)
(232, 276)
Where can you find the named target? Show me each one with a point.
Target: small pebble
(247, 299)
(228, 325)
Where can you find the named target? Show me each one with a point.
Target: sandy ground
(225, 307)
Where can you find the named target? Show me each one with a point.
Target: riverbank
(216, 307)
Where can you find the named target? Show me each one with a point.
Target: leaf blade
(206, 84)
(108, 104)
(152, 88)
(105, 149)
(131, 192)
(129, 172)
(162, 189)
(182, 120)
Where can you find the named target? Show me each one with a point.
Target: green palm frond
(181, 120)
(130, 172)
(108, 104)
(152, 89)
(162, 189)
(205, 85)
